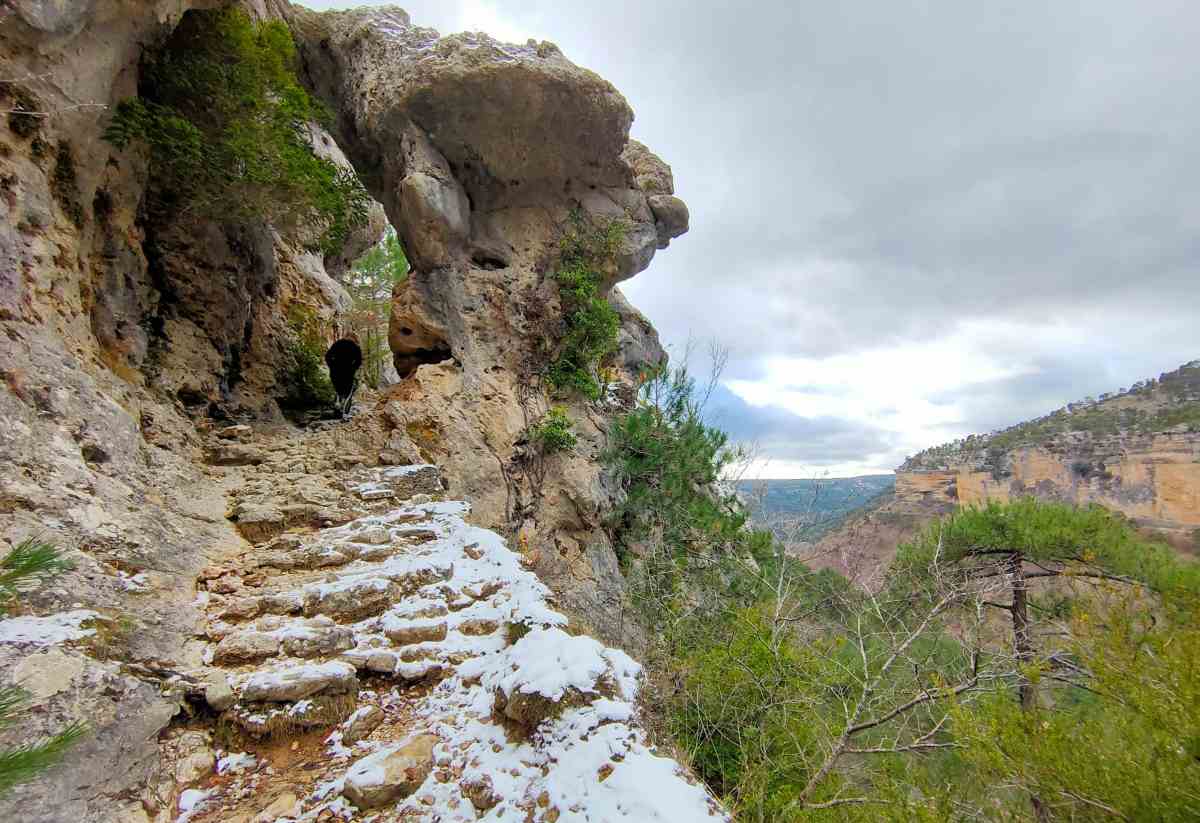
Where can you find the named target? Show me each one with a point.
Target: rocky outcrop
(120, 331)
(127, 331)
(1153, 479)
(480, 151)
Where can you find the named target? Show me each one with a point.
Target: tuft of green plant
(30, 563)
(591, 323)
(553, 432)
(303, 376)
(226, 124)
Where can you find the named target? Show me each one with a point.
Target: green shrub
(669, 462)
(29, 564)
(226, 124)
(591, 323)
(303, 375)
(553, 432)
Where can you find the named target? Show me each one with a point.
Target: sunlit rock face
(480, 151)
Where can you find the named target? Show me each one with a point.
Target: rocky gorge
(234, 574)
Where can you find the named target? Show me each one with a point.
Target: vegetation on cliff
(917, 702)
(29, 564)
(590, 323)
(226, 124)
(302, 374)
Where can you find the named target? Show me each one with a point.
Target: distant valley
(1135, 451)
(802, 510)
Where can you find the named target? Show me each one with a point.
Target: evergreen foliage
(1126, 748)
(669, 461)
(821, 702)
(591, 323)
(370, 283)
(29, 564)
(226, 125)
(303, 375)
(1058, 537)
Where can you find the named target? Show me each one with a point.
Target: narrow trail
(398, 664)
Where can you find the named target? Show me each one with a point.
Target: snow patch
(47, 631)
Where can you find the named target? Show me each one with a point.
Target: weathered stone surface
(391, 774)
(219, 694)
(360, 724)
(245, 647)
(351, 600)
(405, 633)
(298, 682)
(316, 640)
(441, 129)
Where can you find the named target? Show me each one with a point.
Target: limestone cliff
(131, 339)
(479, 152)
(1135, 451)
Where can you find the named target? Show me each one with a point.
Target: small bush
(553, 432)
(591, 323)
(305, 381)
(226, 123)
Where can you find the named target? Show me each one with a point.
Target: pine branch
(22, 764)
(32, 561)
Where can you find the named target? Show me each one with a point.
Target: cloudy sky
(910, 220)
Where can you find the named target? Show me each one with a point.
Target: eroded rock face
(480, 151)
(118, 331)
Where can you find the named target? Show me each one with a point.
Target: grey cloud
(780, 434)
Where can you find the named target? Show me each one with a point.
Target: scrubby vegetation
(302, 376)
(590, 323)
(553, 432)
(1017, 661)
(370, 283)
(922, 702)
(226, 124)
(29, 564)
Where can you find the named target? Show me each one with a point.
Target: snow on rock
(548, 662)
(394, 772)
(236, 763)
(545, 727)
(47, 631)
(191, 803)
(298, 682)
